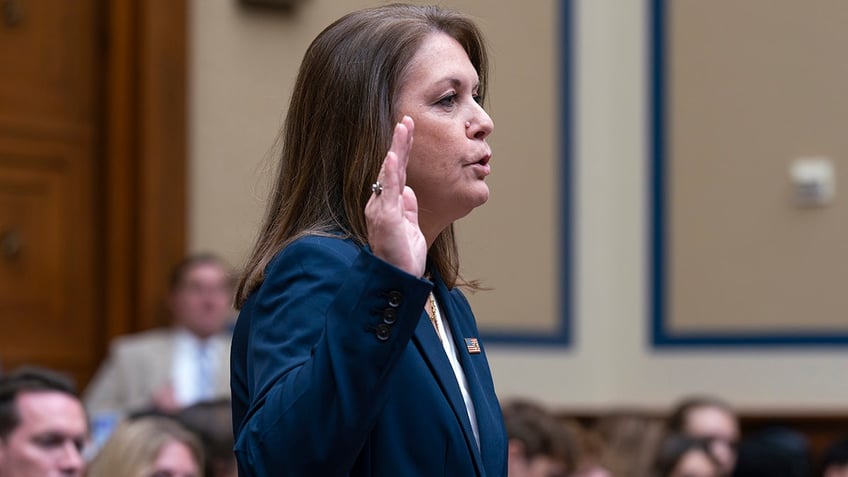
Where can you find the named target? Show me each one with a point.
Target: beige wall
(744, 107)
(243, 64)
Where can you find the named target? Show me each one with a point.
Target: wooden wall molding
(145, 159)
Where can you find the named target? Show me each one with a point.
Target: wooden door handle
(13, 13)
(11, 244)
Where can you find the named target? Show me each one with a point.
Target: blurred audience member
(685, 456)
(774, 452)
(43, 426)
(212, 422)
(834, 462)
(149, 447)
(590, 452)
(168, 369)
(539, 444)
(630, 443)
(711, 419)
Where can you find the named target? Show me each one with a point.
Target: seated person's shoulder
(142, 341)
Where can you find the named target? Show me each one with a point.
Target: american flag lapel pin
(472, 345)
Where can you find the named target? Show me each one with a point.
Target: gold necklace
(432, 314)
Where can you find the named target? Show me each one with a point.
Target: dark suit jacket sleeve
(315, 367)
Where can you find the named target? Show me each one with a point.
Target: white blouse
(446, 338)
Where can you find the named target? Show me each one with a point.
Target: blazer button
(383, 332)
(389, 316)
(395, 298)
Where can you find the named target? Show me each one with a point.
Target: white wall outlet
(813, 181)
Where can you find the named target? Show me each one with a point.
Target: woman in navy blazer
(355, 352)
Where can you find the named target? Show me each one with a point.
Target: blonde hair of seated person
(630, 441)
(135, 447)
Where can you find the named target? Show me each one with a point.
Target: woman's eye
(478, 99)
(448, 100)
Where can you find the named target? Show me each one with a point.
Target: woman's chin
(476, 198)
(482, 194)
(452, 208)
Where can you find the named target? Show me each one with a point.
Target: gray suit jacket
(138, 365)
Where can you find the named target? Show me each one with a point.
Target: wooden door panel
(92, 174)
(48, 59)
(31, 226)
(50, 79)
(47, 241)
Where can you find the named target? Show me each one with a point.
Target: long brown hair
(339, 128)
(132, 449)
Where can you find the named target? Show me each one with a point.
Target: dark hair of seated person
(28, 379)
(672, 450)
(540, 433)
(676, 422)
(774, 452)
(212, 422)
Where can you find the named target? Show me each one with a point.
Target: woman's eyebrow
(456, 82)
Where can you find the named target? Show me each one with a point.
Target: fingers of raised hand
(389, 176)
(402, 138)
(402, 145)
(392, 176)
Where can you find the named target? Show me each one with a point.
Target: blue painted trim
(661, 334)
(752, 340)
(561, 336)
(657, 186)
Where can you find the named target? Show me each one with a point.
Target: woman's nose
(481, 125)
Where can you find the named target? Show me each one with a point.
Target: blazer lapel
(430, 347)
(486, 407)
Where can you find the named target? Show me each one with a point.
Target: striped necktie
(205, 371)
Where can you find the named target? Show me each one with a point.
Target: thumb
(410, 205)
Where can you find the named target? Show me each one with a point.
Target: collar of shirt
(186, 366)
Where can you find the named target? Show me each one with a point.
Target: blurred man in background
(43, 426)
(168, 369)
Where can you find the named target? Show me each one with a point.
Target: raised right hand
(392, 215)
